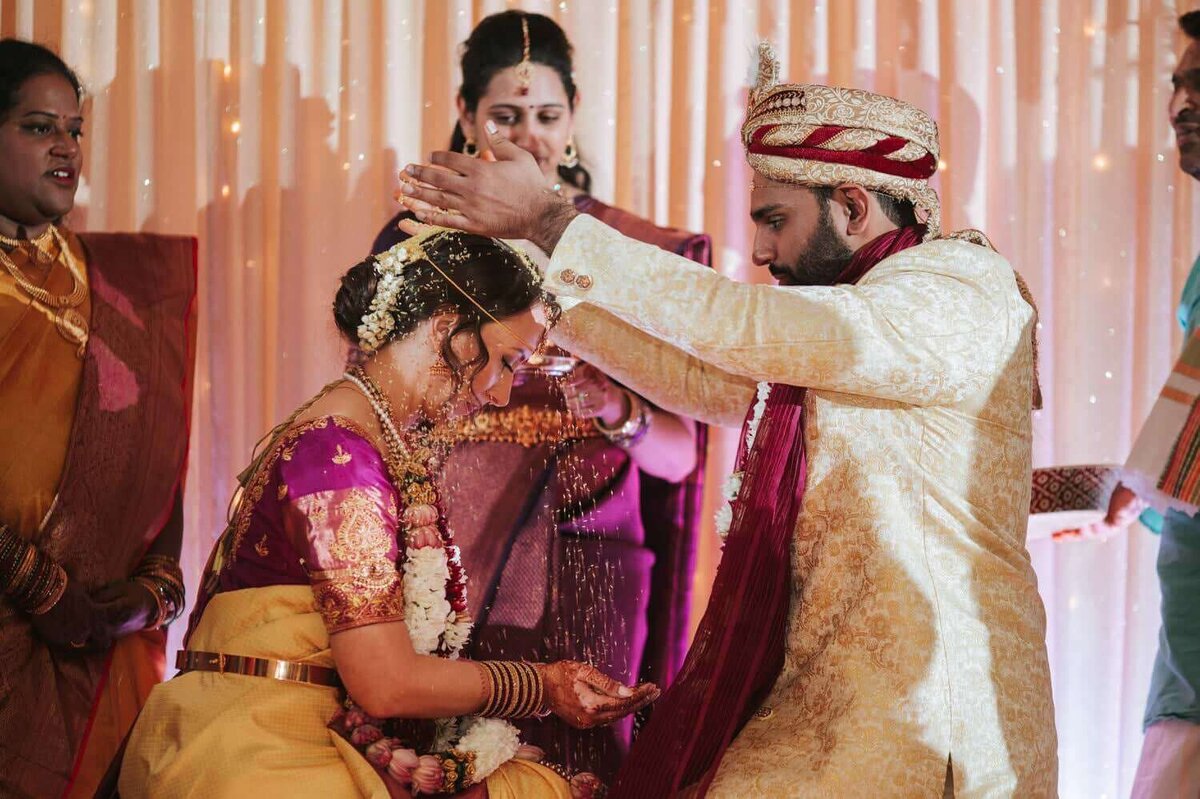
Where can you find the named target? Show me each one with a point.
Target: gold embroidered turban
(826, 136)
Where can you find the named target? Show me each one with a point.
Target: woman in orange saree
(96, 335)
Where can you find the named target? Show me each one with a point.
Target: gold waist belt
(190, 660)
(527, 426)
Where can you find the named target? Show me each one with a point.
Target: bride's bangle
(513, 689)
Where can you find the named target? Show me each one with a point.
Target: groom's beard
(822, 260)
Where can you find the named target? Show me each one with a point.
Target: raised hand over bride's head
(441, 321)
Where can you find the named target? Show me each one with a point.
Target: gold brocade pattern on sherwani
(915, 631)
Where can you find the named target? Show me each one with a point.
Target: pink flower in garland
(585, 785)
(366, 734)
(420, 516)
(379, 754)
(425, 537)
(403, 763)
(427, 777)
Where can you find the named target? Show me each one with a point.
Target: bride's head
(443, 320)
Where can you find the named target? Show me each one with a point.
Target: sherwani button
(584, 282)
(764, 713)
(567, 276)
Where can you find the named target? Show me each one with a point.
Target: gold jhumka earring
(570, 158)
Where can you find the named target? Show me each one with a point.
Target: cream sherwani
(916, 632)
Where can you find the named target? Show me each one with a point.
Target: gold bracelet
(491, 689)
(514, 688)
(160, 615)
(524, 691)
(24, 568)
(497, 690)
(38, 584)
(55, 591)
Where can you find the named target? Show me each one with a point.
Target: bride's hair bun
(490, 271)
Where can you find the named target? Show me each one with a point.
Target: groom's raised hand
(502, 194)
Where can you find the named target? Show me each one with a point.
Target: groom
(875, 626)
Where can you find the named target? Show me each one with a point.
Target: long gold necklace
(70, 323)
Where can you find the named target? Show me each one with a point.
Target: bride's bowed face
(540, 121)
(487, 380)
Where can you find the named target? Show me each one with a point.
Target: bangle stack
(162, 577)
(33, 581)
(514, 690)
(633, 429)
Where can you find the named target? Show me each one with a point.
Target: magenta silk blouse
(320, 511)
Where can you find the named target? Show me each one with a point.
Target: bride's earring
(441, 370)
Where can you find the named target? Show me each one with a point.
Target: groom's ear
(855, 205)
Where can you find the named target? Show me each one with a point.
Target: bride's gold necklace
(70, 323)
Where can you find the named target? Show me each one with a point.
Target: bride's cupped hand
(585, 697)
(503, 193)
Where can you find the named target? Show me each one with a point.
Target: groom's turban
(826, 136)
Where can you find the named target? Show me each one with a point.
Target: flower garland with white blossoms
(733, 484)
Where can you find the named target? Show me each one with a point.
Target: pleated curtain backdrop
(273, 129)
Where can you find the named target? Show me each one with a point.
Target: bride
(322, 656)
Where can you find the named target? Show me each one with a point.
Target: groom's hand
(501, 194)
